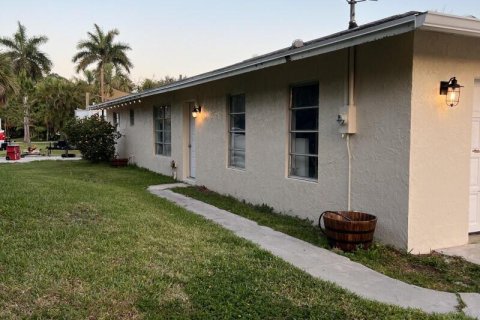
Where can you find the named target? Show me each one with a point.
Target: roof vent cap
(297, 43)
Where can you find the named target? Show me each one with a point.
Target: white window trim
(155, 142)
(290, 131)
(230, 132)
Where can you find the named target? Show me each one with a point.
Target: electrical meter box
(347, 119)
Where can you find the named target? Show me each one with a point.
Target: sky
(190, 37)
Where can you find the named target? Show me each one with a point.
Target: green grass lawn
(434, 271)
(82, 241)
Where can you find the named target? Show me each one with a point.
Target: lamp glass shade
(196, 110)
(453, 96)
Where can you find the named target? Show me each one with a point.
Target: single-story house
(354, 120)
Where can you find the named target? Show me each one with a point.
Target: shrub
(94, 137)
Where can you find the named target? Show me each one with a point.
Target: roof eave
(440, 22)
(423, 21)
(373, 33)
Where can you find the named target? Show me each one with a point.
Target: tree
(89, 77)
(100, 49)
(27, 87)
(12, 116)
(116, 79)
(148, 84)
(94, 137)
(29, 63)
(122, 82)
(26, 55)
(8, 81)
(54, 102)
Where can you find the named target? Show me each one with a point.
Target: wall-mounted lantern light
(451, 89)
(196, 111)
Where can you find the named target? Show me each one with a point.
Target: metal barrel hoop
(320, 222)
(334, 212)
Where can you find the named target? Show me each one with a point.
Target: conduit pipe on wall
(349, 173)
(351, 104)
(351, 76)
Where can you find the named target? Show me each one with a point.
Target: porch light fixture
(196, 111)
(451, 89)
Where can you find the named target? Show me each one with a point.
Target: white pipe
(349, 197)
(351, 104)
(351, 76)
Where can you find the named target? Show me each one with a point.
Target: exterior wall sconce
(196, 111)
(451, 89)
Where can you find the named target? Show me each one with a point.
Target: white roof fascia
(196, 80)
(432, 21)
(354, 38)
(385, 30)
(439, 22)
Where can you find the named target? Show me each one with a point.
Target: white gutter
(197, 80)
(425, 21)
(343, 41)
(446, 23)
(385, 30)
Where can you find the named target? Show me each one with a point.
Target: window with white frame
(303, 155)
(236, 131)
(163, 130)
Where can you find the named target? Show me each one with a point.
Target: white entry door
(192, 147)
(474, 215)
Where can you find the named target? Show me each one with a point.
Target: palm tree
(29, 63)
(100, 49)
(89, 76)
(26, 55)
(116, 79)
(8, 81)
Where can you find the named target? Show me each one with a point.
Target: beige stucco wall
(137, 141)
(380, 149)
(440, 141)
(265, 178)
(381, 146)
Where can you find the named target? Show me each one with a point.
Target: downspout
(349, 205)
(351, 104)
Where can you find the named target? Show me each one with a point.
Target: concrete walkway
(38, 158)
(469, 252)
(326, 265)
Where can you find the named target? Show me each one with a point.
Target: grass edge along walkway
(318, 262)
(433, 271)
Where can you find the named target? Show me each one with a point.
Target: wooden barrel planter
(348, 230)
